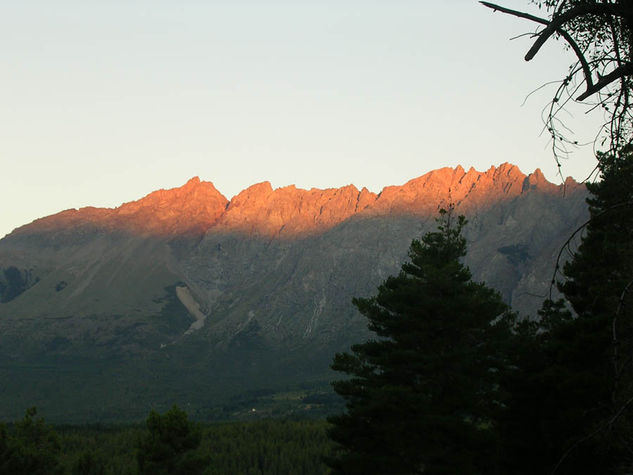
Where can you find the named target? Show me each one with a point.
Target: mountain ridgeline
(184, 296)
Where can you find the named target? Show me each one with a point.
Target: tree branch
(585, 9)
(625, 70)
(516, 13)
(574, 46)
(571, 237)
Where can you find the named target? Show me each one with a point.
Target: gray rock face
(93, 325)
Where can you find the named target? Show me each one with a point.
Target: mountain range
(227, 307)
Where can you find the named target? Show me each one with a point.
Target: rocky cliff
(184, 294)
(197, 207)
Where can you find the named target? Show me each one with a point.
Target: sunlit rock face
(184, 291)
(189, 209)
(197, 207)
(292, 212)
(466, 190)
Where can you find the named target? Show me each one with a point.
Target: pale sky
(102, 102)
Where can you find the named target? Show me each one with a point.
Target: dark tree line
(167, 443)
(455, 383)
(423, 395)
(32, 447)
(579, 363)
(560, 390)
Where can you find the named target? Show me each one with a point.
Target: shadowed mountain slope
(183, 296)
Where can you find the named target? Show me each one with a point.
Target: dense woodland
(454, 382)
(167, 443)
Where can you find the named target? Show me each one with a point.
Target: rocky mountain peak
(198, 207)
(290, 211)
(191, 208)
(252, 195)
(261, 298)
(455, 186)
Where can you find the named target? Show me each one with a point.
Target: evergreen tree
(32, 447)
(423, 395)
(579, 368)
(170, 445)
(89, 462)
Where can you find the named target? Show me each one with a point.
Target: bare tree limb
(571, 237)
(516, 13)
(625, 70)
(574, 46)
(585, 9)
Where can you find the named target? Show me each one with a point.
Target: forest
(167, 443)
